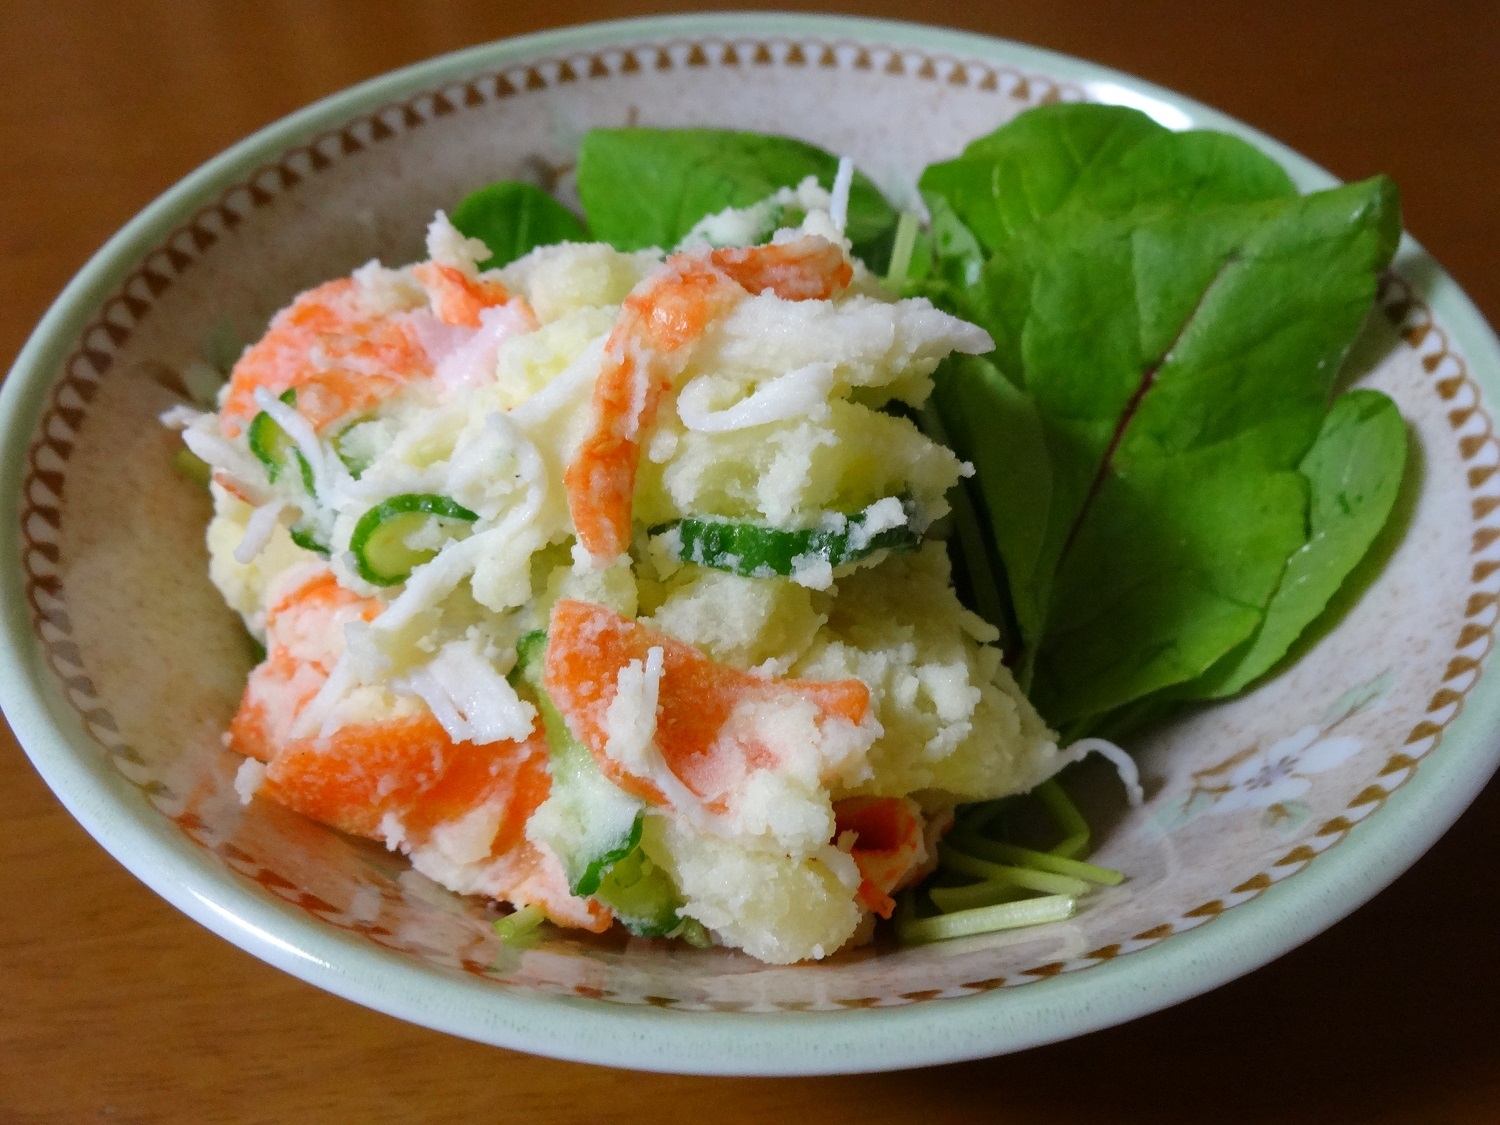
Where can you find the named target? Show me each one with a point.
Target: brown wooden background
(115, 1008)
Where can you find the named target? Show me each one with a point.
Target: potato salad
(606, 584)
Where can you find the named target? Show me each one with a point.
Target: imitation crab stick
(888, 845)
(342, 360)
(399, 778)
(457, 298)
(650, 346)
(590, 645)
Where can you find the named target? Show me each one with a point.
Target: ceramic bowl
(1268, 817)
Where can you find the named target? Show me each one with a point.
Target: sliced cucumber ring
(274, 447)
(379, 541)
(755, 551)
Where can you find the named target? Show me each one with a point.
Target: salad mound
(668, 587)
(599, 582)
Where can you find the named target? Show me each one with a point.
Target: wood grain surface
(115, 1008)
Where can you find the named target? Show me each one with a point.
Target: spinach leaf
(1096, 160)
(997, 427)
(514, 218)
(1354, 469)
(1170, 316)
(1035, 179)
(648, 187)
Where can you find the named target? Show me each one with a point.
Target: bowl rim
(576, 1028)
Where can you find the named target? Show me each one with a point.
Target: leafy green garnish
(649, 187)
(513, 219)
(1355, 470)
(1169, 318)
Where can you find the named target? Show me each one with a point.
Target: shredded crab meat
(802, 393)
(258, 531)
(838, 206)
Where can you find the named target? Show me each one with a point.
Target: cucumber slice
(379, 540)
(355, 462)
(590, 824)
(641, 895)
(595, 828)
(756, 551)
(274, 447)
(304, 536)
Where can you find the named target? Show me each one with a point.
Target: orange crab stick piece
(404, 767)
(807, 269)
(888, 845)
(408, 768)
(650, 346)
(587, 647)
(342, 360)
(304, 638)
(457, 298)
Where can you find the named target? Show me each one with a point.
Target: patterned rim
(81, 372)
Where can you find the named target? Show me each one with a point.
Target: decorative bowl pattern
(124, 666)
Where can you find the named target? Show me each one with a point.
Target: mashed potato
(602, 582)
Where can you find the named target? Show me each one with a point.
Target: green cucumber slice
(590, 824)
(356, 463)
(756, 551)
(379, 539)
(274, 447)
(304, 536)
(641, 895)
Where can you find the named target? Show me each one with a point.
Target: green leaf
(648, 187)
(1169, 316)
(1096, 160)
(1000, 432)
(1184, 367)
(1033, 181)
(513, 219)
(1354, 469)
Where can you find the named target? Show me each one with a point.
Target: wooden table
(117, 1008)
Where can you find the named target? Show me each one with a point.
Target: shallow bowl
(1268, 818)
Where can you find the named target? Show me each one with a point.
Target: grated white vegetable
(205, 444)
(435, 579)
(180, 417)
(329, 474)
